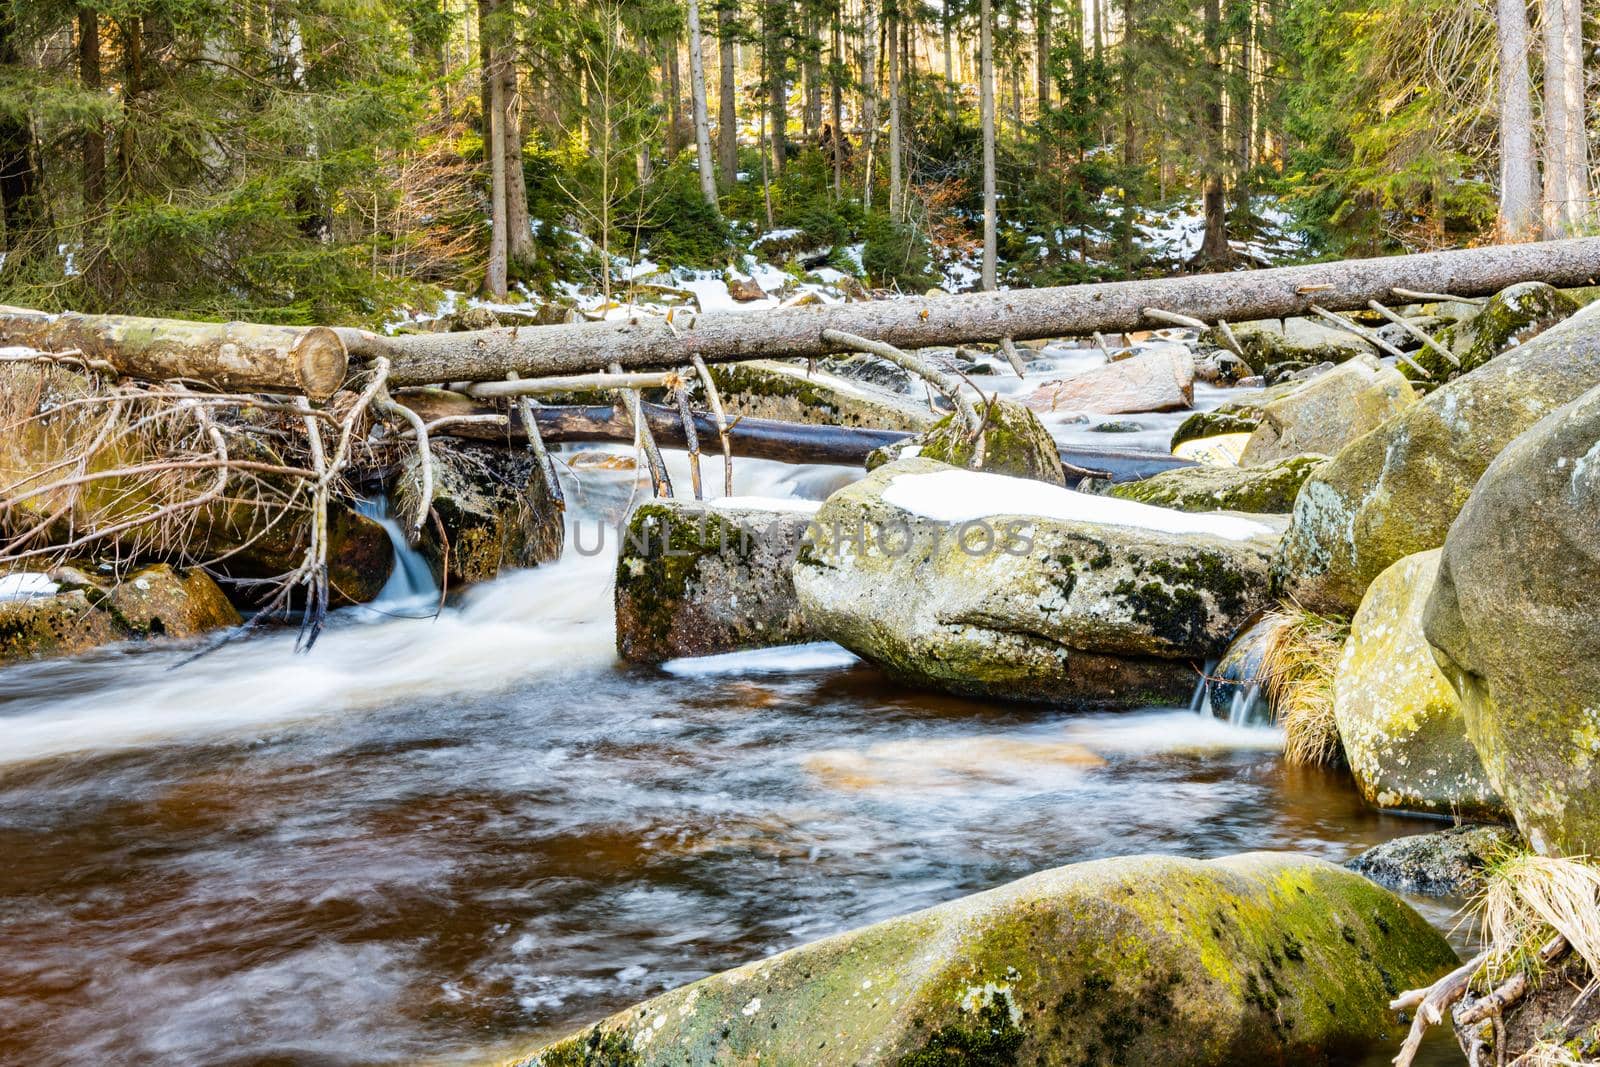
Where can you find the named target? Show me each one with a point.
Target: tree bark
(1214, 248)
(774, 12)
(494, 282)
(1519, 177)
(789, 442)
(892, 29)
(1573, 88)
(1557, 173)
(835, 72)
(236, 356)
(672, 88)
(1071, 311)
(702, 123)
(1043, 72)
(986, 107)
(869, 94)
(728, 98)
(94, 134)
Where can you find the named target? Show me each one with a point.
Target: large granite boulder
(697, 579)
(1015, 442)
(770, 389)
(1159, 380)
(1259, 958)
(1399, 720)
(1268, 489)
(1513, 618)
(1396, 490)
(1009, 588)
(1328, 412)
(1513, 316)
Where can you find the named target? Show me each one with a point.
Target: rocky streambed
(844, 697)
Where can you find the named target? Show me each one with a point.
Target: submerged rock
(1514, 315)
(1158, 380)
(1145, 960)
(1399, 720)
(1328, 412)
(769, 389)
(1267, 489)
(1396, 490)
(495, 512)
(1002, 587)
(87, 611)
(1445, 864)
(1513, 618)
(697, 579)
(1015, 443)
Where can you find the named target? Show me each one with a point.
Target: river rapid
(440, 839)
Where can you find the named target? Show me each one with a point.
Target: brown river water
(441, 840)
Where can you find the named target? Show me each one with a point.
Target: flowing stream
(442, 839)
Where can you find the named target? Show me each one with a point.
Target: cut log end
(320, 362)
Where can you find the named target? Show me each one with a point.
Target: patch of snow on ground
(24, 585)
(966, 496)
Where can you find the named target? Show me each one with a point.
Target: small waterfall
(411, 581)
(1200, 703)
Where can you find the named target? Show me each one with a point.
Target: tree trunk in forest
(836, 77)
(774, 13)
(727, 98)
(1519, 176)
(702, 122)
(132, 87)
(1573, 88)
(519, 231)
(1243, 117)
(225, 355)
(494, 282)
(1044, 72)
(1214, 249)
(1557, 174)
(812, 120)
(672, 89)
(986, 108)
(892, 31)
(94, 134)
(949, 62)
(869, 95)
(1130, 140)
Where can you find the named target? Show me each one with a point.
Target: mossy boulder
(696, 579)
(1395, 491)
(1399, 720)
(1513, 618)
(1328, 412)
(1231, 416)
(159, 601)
(1009, 588)
(1015, 442)
(1267, 489)
(88, 611)
(1270, 343)
(769, 389)
(1514, 315)
(495, 509)
(1258, 958)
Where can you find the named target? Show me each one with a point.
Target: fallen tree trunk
(233, 356)
(790, 442)
(1071, 311)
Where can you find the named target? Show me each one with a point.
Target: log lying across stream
(918, 322)
(230, 356)
(312, 361)
(789, 442)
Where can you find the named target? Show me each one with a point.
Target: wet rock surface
(1262, 957)
(1448, 863)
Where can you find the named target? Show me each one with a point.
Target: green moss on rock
(1268, 489)
(1015, 443)
(1516, 314)
(1143, 960)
